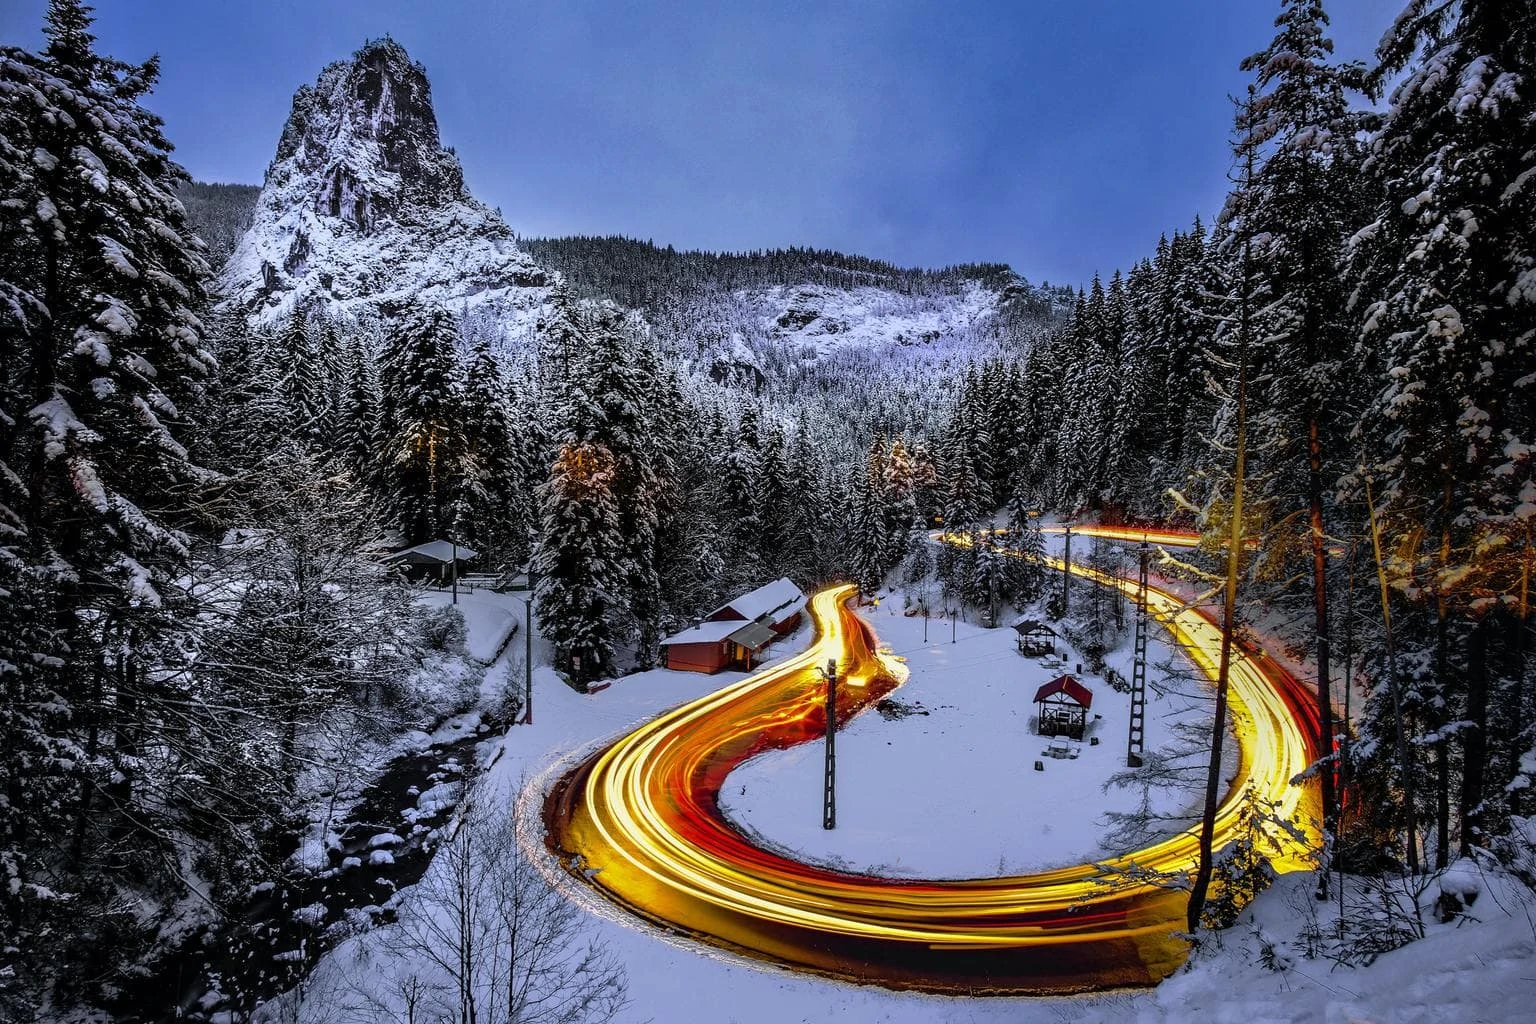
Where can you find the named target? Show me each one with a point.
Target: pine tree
(357, 417)
(581, 560)
(777, 499)
(967, 498)
(99, 277)
(870, 539)
(1297, 198)
(486, 499)
(424, 446)
(1025, 576)
(806, 526)
(605, 406)
(1444, 290)
(741, 474)
(898, 499)
(299, 385)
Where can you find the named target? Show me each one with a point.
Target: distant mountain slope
(220, 214)
(751, 316)
(641, 274)
(362, 205)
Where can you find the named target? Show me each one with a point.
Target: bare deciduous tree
(510, 948)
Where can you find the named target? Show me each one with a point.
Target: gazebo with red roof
(1062, 705)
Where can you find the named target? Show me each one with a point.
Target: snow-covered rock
(363, 205)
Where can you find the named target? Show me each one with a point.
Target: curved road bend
(640, 819)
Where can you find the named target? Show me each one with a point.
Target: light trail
(1132, 534)
(640, 822)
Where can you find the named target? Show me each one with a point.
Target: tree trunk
(1320, 625)
(1474, 739)
(44, 366)
(1394, 686)
(1517, 699)
(92, 748)
(1202, 881)
(1438, 720)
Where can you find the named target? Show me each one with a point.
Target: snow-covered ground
(1479, 968)
(490, 618)
(954, 756)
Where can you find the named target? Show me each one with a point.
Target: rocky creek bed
(266, 947)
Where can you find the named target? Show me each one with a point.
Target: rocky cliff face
(362, 205)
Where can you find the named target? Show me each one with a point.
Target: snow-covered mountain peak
(363, 205)
(366, 131)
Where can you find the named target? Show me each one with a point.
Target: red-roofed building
(1062, 705)
(736, 633)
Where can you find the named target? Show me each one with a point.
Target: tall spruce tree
(581, 560)
(1445, 294)
(424, 448)
(1297, 199)
(102, 350)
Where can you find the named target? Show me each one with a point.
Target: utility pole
(1066, 577)
(453, 568)
(1135, 744)
(829, 780)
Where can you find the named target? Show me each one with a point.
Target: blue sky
(1061, 137)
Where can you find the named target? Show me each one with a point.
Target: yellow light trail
(640, 821)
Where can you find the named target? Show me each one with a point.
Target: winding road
(639, 821)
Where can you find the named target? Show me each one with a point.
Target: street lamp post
(528, 650)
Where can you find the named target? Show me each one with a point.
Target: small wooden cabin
(1062, 707)
(736, 634)
(438, 560)
(778, 605)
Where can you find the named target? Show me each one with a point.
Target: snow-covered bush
(442, 629)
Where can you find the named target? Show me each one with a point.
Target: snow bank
(490, 618)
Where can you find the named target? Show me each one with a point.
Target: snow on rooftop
(703, 633)
(434, 551)
(779, 596)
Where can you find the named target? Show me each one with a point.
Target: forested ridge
(191, 504)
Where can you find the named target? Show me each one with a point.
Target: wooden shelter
(1036, 639)
(777, 604)
(1062, 707)
(441, 560)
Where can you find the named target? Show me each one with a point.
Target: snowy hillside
(363, 205)
(779, 328)
(775, 314)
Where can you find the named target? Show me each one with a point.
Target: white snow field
(1481, 968)
(949, 789)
